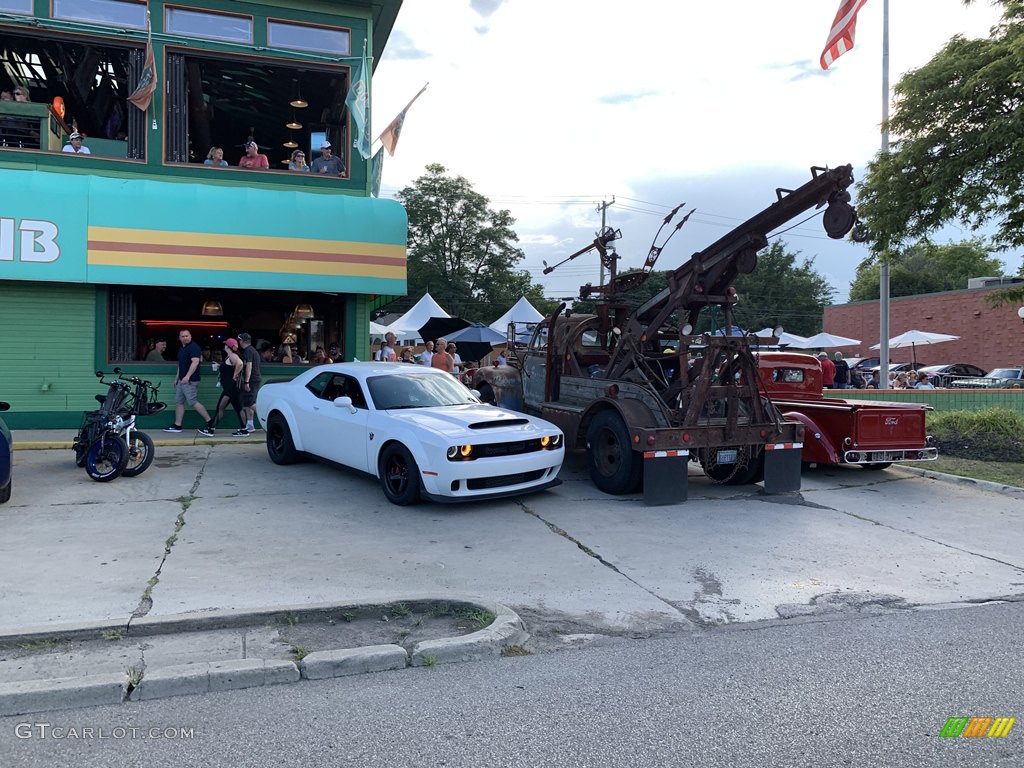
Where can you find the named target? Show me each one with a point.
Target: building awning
(95, 229)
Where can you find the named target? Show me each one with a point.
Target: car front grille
(506, 449)
(482, 483)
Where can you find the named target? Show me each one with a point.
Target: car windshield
(417, 391)
(1005, 373)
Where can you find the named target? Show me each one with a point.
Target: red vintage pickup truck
(870, 433)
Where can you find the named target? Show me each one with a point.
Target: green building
(103, 253)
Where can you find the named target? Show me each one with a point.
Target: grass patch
(348, 616)
(134, 677)
(1004, 472)
(44, 644)
(293, 619)
(429, 661)
(515, 650)
(299, 652)
(476, 617)
(113, 634)
(400, 610)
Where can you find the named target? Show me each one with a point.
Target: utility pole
(604, 206)
(883, 271)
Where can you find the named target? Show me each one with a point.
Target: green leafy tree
(462, 251)
(779, 291)
(958, 154)
(926, 268)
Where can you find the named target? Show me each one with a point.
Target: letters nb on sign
(32, 240)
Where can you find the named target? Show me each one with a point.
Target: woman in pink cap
(230, 371)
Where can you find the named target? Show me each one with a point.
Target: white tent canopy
(407, 327)
(822, 340)
(521, 313)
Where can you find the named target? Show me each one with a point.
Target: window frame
(292, 22)
(210, 12)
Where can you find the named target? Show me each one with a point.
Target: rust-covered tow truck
(622, 383)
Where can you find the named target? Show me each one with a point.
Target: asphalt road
(847, 691)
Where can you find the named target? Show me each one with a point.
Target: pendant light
(295, 125)
(298, 102)
(291, 144)
(212, 308)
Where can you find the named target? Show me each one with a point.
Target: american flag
(840, 39)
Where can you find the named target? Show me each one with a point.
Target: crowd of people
(326, 164)
(836, 373)
(442, 354)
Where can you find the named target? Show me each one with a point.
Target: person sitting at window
(76, 145)
(215, 157)
(923, 382)
(298, 161)
(327, 163)
(21, 94)
(253, 158)
(284, 355)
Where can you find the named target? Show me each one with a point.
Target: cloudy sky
(549, 108)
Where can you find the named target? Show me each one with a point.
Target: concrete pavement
(214, 529)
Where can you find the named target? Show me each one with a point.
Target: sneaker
(249, 427)
(205, 432)
(240, 433)
(173, 428)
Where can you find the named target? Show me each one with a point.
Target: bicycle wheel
(140, 454)
(107, 458)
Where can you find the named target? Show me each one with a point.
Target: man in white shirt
(387, 353)
(455, 358)
(427, 353)
(76, 147)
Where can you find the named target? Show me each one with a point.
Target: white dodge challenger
(416, 429)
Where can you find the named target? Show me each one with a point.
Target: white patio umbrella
(786, 339)
(913, 338)
(822, 340)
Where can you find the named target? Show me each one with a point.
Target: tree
(778, 291)
(926, 268)
(958, 155)
(462, 251)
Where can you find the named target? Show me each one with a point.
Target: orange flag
(390, 136)
(144, 91)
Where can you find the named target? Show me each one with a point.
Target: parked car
(6, 457)
(893, 368)
(997, 378)
(944, 375)
(416, 429)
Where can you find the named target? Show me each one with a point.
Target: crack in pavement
(933, 541)
(591, 553)
(146, 601)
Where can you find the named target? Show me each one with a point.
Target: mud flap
(782, 467)
(665, 477)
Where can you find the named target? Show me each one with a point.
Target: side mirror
(344, 402)
(475, 393)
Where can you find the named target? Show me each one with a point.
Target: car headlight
(460, 452)
(550, 442)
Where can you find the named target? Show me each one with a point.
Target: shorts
(186, 393)
(249, 396)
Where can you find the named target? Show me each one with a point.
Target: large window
(87, 85)
(113, 13)
(214, 26)
(215, 101)
(305, 37)
(140, 316)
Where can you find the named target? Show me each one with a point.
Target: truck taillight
(612, 390)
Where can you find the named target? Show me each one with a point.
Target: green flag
(358, 103)
(376, 169)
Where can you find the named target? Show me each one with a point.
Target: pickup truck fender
(818, 446)
(632, 412)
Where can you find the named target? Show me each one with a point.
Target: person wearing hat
(334, 352)
(253, 158)
(327, 163)
(230, 374)
(75, 145)
(828, 370)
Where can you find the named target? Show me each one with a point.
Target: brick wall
(989, 337)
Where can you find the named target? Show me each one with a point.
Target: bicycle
(108, 443)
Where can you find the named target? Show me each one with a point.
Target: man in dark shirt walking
(186, 385)
(842, 380)
(250, 379)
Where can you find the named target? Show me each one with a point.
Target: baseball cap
(244, 337)
(75, 135)
(231, 343)
(251, 144)
(325, 145)
(333, 345)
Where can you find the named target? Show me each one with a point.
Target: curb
(26, 697)
(985, 485)
(46, 445)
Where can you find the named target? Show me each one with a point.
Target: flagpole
(883, 271)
